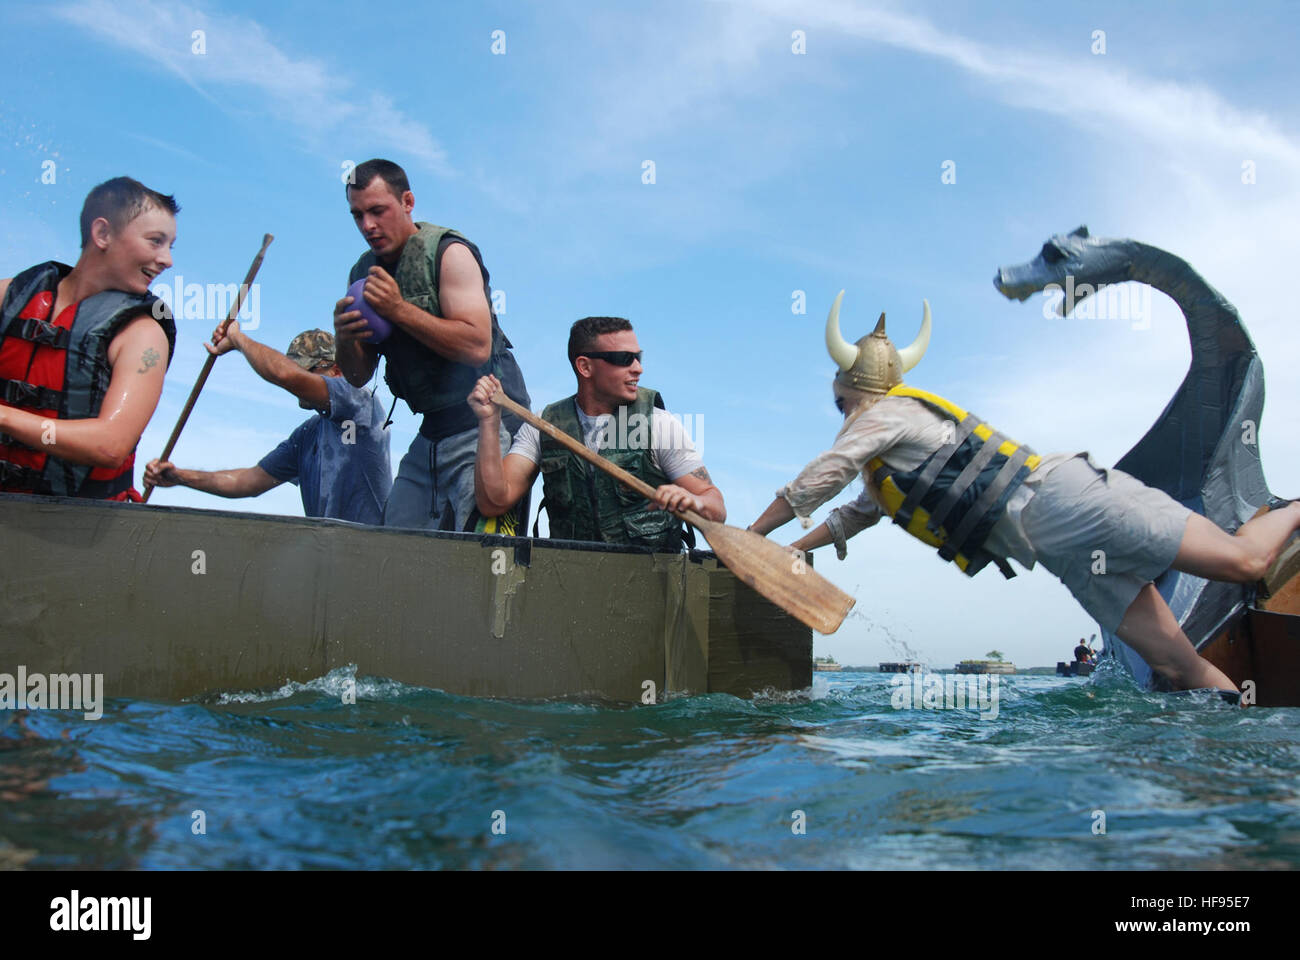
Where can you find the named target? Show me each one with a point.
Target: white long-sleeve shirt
(903, 432)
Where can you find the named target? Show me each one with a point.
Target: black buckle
(17, 393)
(12, 475)
(20, 394)
(43, 332)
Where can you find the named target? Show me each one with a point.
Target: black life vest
(953, 500)
(58, 367)
(431, 384)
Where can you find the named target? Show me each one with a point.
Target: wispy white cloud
(299, 93)
(1176, 184)
(1176, 115)
(180, 151)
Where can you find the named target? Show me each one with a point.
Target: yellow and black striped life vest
(953, 500)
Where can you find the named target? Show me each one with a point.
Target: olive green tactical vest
(426, 381)
(584, 503)
(429, 383)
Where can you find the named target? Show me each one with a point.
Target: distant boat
(1075, 668)
(826, 665)
(902, 666)
(985, 666)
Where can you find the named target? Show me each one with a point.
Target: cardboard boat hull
(172, 603)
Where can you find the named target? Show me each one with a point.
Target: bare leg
(1149, 628)
(1243, 557)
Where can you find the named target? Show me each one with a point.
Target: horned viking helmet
(873, 364)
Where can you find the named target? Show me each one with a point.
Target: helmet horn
(911, 354)
(842, 352)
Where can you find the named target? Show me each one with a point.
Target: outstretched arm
(844, 522)
(818, 537)
(778, 514)
(870, 434)
(248, 482)
(138, 357)
(272, 366)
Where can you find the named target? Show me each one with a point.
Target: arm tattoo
(702, 474)
(149, 359)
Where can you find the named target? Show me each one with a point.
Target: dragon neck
(1203, 307)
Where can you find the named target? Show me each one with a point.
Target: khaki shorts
(1105, 534)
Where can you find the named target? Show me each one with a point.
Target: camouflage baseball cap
(311, 347)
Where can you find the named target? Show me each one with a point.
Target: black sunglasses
(619, 358)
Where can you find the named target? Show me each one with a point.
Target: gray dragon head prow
(1076, 259)
(1202, 449)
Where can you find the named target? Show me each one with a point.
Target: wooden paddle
(207, 366)
(768, 567)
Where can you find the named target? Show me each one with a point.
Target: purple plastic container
(379, 327)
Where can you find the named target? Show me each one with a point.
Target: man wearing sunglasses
(338, 458)
(615, 416)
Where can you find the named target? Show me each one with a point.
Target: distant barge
(985, 666)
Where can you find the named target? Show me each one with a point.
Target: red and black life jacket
(58, 367)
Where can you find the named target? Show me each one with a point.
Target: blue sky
(775, 172)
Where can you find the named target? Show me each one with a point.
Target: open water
(409, 777)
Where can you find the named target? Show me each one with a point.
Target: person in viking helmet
(980, 498)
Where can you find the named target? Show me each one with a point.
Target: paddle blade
(777, 574)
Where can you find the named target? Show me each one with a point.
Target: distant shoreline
(1020, 671)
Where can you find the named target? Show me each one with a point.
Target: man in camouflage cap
(338, 458)
(311, 348)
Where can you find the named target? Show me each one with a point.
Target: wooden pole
(207, 366)
(775, 571)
